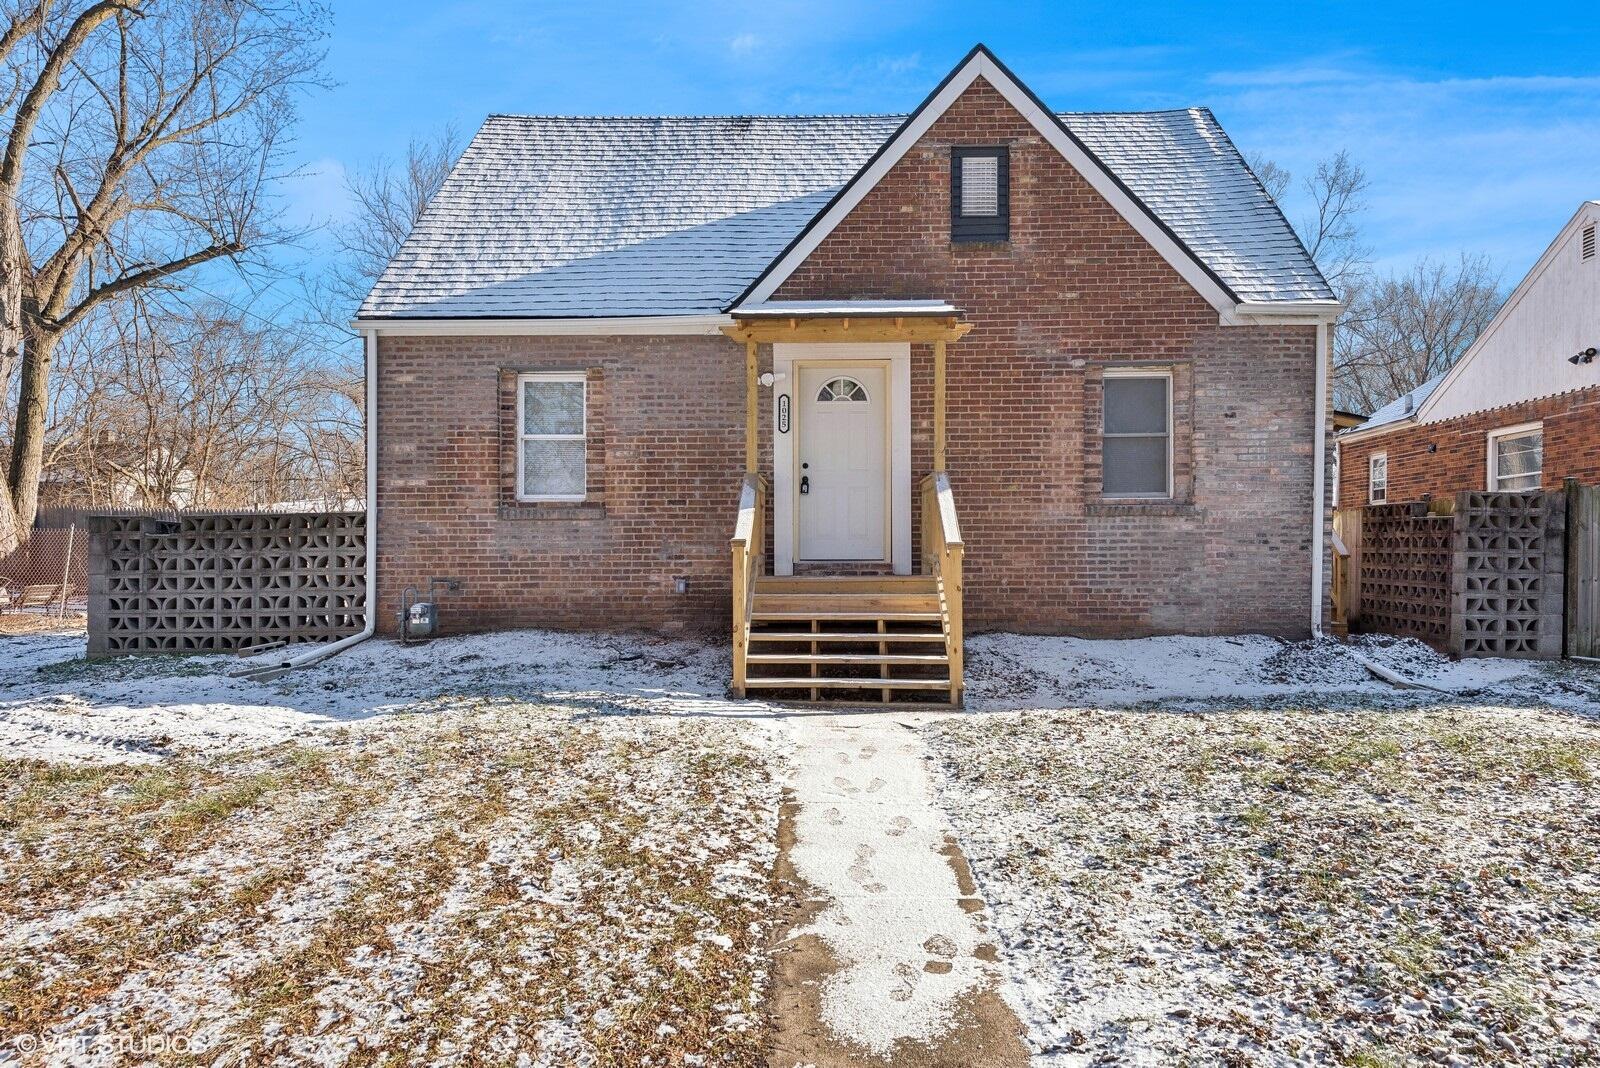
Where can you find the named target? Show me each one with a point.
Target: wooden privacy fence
(222, 581)
(1477, 574)
(1583, 570)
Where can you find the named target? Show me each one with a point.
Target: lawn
(555, 849)
(482, 881)
(1246, 886)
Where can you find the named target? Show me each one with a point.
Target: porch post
(938, 405)
(749, 407)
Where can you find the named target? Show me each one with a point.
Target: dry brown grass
(458, 887)
(34, 622)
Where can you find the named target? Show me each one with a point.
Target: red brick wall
(1075, 291)
(666, 444)
(1437, 459)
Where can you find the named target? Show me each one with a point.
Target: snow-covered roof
(1402, 407)
(845, 308)
(580, 217)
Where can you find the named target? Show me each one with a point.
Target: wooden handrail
(942, 556)
(748, 531)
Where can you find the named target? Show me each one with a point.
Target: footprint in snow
(906, 976)
(843, 758)
(844, 784)
(898, 826)
(868, 752)
(940, 946)
(861, 870)
(875, 785)
(833, 816)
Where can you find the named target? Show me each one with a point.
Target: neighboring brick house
(1092, 336)
(1520, 409)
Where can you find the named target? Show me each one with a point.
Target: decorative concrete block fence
(1479, 574)
(223, 581)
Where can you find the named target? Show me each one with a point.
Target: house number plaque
(783, 413)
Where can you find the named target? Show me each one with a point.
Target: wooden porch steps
(867, 638)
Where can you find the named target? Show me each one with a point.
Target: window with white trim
(1136, 435)
(552, 418)
(1516, 458)
(1378, 478)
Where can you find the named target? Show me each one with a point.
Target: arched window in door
(842, 389)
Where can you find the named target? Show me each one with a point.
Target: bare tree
(1401, 331)
(387, 199)
(1273, 177)
(170, 404)
(1330, 231)
(142, 138)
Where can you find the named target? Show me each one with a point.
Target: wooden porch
(849, 638)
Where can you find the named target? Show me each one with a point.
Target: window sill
(554, 510)
(1135, 506)
(985, 245)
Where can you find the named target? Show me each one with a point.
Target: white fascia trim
(1358, 434)
(1550, 253)
(1318, 482)
(1288, 312)
(981, 66)
(632, 325)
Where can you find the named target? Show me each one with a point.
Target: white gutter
(643, 325)
(1318, 483)
(370, 610)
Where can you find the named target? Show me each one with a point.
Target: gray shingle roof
(1402, 406)
(557, 217)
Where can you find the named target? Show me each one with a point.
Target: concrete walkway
(888, 958)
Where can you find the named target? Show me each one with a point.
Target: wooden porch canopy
(846, 321)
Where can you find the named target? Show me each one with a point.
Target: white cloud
(1491, 164)
(744, 44)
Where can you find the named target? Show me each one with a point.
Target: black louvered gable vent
(980, 195)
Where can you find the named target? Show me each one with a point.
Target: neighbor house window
(980, 194)
(1378, 478)
(1136, 454)
(551, 418)
(1516, 457)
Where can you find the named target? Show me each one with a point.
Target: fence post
(66, 571)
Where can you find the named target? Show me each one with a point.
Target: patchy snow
(1015, 671)
(56, 706)
(870, 839)
(1104, 843)
(494, 882)
(1241, 886)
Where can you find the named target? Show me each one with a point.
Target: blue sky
(1479, 125)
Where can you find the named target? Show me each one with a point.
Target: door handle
(805, 483)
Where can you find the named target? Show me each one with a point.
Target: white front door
(841, 461)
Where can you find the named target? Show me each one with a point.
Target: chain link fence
(49, 574)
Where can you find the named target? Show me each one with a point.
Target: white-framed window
(1136, 434)
(552, 420)
(842, 390)
(1516, 457)
(1378, 478)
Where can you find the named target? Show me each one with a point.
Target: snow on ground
(394, 839)
(870, 840)
(493, 882)
(1015, 671)
(55, 705)
(1256, 887)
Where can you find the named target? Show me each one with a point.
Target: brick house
(979, 366)
(1519, 410)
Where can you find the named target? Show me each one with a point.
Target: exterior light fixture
(1586, 356)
